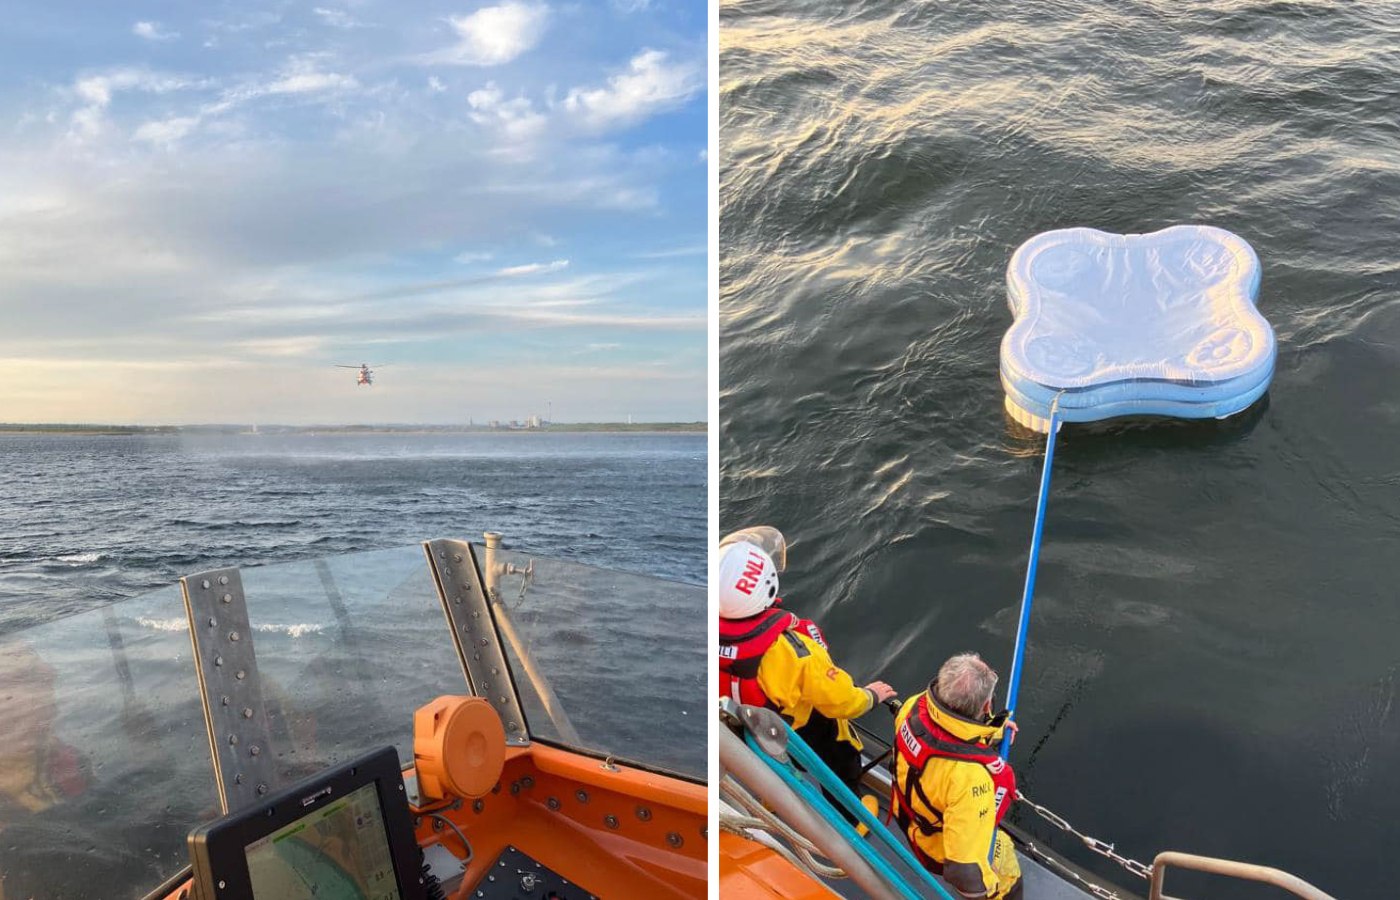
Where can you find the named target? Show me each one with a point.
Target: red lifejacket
(742, 643)
(921, 739)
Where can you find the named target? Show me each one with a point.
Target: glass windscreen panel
(624, 655)
(348, 647)
(104, 759)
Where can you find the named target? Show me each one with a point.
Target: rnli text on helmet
(748, 579)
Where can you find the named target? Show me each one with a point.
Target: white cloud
(151, 31)
(533, 268)
(96, 91)
(696, 250)
(649, 85)
(245, 21)
(495, 35)
(631, 6)
(516, 119)
(607, 320)
(307, 82)
(337, 18)
(296, 346)
(166, 131)
(283, 224)
(301, 75)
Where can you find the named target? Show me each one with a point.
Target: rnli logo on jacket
(911, 743)
(748, 579)
(729, 652)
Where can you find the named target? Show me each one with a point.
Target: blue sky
(204, 207)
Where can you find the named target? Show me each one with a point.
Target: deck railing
(1230, 869)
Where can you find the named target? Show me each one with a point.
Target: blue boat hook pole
(1014, 681)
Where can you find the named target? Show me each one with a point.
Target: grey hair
(965, 683)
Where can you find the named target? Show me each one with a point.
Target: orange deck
(613, 830)
(751, 871)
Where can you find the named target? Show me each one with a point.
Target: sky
(204, 208)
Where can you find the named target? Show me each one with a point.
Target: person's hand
(1011, 731)
(881, 691)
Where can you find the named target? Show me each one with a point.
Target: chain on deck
(1103, 848)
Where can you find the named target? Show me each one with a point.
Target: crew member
(770, 657)
(951, 789)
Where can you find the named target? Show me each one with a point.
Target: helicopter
(366, 376)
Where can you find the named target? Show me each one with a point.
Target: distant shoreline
(554, 427)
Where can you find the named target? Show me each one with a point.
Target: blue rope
(1027, 595)
(813, 764)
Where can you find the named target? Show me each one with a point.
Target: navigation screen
(338, 852)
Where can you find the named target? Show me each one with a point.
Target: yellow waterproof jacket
(797, 674)
(958, 796)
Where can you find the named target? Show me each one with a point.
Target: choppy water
(92, 519)
(1214, 648)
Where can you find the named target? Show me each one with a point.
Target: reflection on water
(1214, 614)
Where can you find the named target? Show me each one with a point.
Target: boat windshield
(104, 758)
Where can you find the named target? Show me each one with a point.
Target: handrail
(1230, 869)
(779, 747)
(738, 759)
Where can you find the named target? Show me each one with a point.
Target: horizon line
(499, 425)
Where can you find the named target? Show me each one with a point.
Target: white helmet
(748, 580)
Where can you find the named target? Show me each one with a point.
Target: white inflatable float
(1134, 324)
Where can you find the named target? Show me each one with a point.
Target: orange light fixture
(459, 747)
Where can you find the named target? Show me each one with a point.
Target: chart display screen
(337, 852)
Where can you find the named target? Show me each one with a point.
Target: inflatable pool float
(1134, 324)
